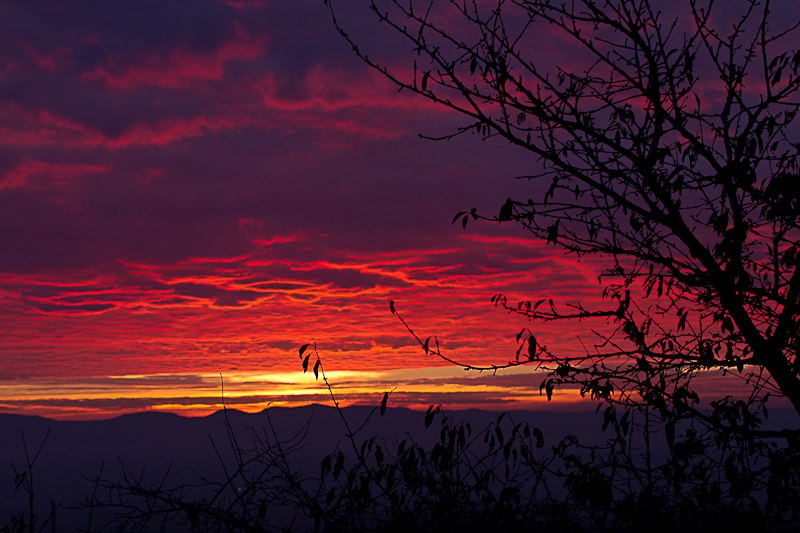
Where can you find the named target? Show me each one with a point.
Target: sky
(191, 190)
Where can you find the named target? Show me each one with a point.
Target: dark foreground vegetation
(499, 478)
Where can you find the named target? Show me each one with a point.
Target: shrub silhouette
(503, 477)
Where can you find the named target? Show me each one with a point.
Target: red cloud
(217, 314)
(31, 170)
(177, 68)
(24, 128)
(172, 130)
(241, 5)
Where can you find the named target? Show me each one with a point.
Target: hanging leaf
(305, 364)
(499, 433)
(325, 466)
(507, 451)
(337, 468)
(303, 348)
(383, 403)
(432, 410)
(537, 434)
(391, 306)
(531, 348)
(682, 321)
(552, 232)
(776, 79)
(425, 80)
(316, 369)
(379, 455)
(506, 211)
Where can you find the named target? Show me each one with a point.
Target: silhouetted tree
(664, 146)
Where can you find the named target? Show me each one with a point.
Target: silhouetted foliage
(663, 146)
(502, 477)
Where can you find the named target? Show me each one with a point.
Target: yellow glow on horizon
(287, 385)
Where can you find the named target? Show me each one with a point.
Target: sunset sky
(194, 188)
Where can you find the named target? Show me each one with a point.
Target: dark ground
(156, 442)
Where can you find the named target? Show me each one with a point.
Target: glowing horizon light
(201, 394)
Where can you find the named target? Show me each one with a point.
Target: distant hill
(155, 442)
